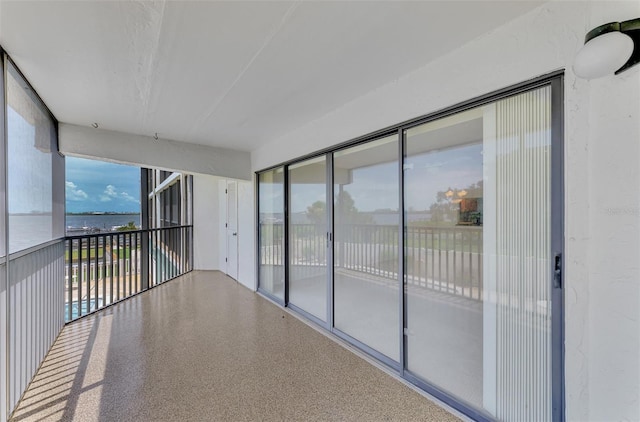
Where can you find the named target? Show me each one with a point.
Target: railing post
(70, 278)
(144, 236)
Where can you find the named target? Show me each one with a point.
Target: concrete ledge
(146, 151)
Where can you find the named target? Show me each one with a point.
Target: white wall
(206, 222)
(602, 180)
(246, 231)
(613, 239)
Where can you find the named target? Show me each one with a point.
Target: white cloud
(127, 197)
(109, 193)
(73, 193)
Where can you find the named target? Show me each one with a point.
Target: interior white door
(232, 229)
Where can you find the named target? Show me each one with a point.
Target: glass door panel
(308, 231)
(271, 232)
(366, 197)
(478, 254)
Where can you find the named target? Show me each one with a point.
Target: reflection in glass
(271, 231)
(308, 236)
(443, 251)
(366, 193)
(477, 249)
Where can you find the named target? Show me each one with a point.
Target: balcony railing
(444, 259)
(102, 269)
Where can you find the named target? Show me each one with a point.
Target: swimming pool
(85, 309)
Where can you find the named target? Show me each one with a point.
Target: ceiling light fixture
(612, 47)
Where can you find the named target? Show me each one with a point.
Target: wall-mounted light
(610, 48)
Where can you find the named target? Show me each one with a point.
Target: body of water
(95, 223)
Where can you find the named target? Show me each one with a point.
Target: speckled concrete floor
(204, 348)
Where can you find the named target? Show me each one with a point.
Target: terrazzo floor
(204, 348)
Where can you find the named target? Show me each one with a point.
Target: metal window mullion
(5, 227)
(286, 234)
(163, 243)
(258, 251)
(557, 247)
(330, 250)
(401, 255)
(163, 251)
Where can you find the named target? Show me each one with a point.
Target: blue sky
(100, 186)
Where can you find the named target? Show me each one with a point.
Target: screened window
(35, 201)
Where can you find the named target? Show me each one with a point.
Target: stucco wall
(206, 222)
(246, 233)
(602, 183)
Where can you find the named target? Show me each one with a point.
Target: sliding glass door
(433, 249)
(271, 241)
(308, 236)
(366, 284)
(443, 248)
(478, 253)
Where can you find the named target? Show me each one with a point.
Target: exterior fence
(444, 259)
(102, 269)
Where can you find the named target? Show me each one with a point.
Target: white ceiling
(228, 74)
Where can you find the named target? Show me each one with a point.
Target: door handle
(557, 271)
(235, 233)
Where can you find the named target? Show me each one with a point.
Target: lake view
(102, 222)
